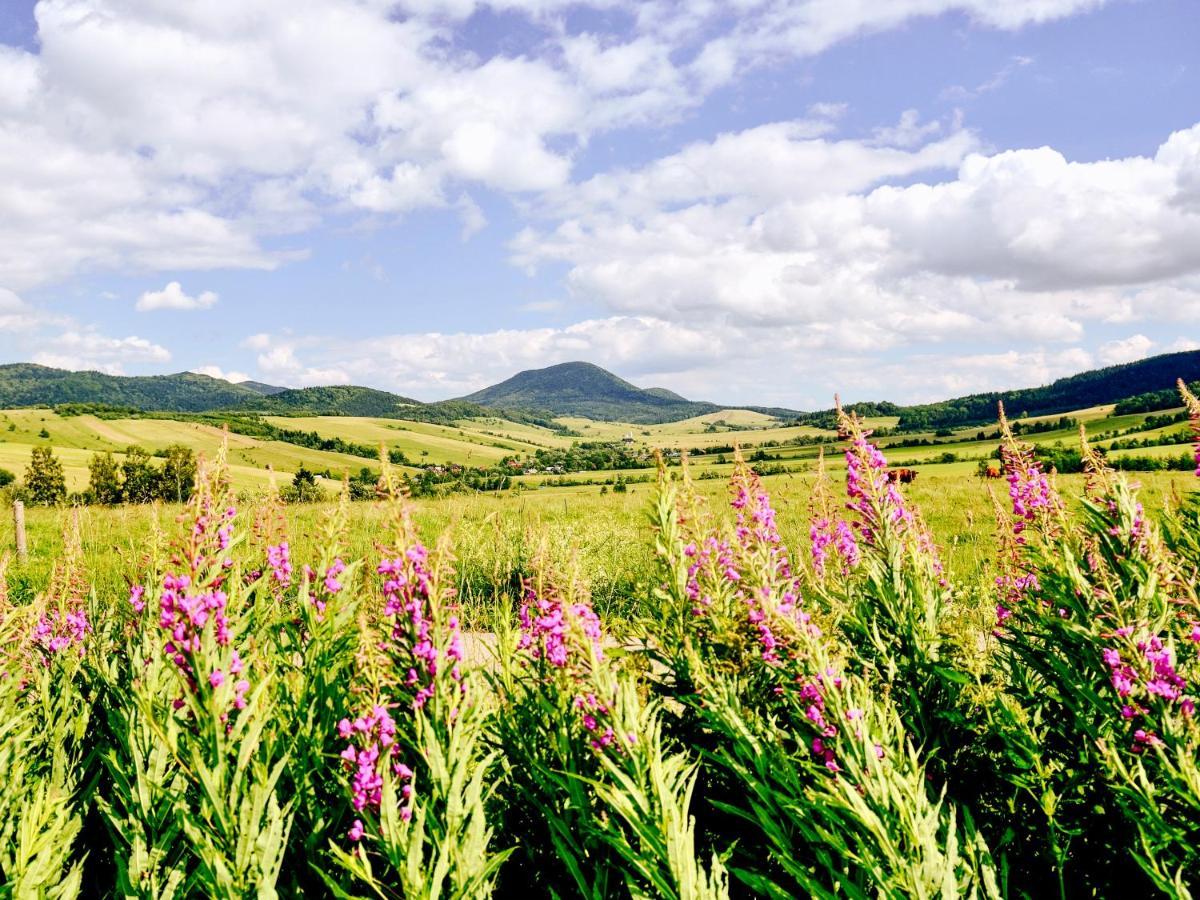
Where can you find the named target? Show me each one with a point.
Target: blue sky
(755, 201)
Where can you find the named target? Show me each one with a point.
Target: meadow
(715, 683)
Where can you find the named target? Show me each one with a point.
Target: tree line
(135, 479)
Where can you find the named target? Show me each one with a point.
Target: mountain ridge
(583, 389)
(1093, 387)
(586, 390)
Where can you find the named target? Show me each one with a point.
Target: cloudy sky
(757, 201)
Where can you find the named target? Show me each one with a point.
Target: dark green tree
(6, 478)
(140, 476)
(104, 486)
(44, 478)
(178, 476)
(303, 488)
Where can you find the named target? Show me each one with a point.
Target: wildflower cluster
(55, 632)
(65, 624)
(372, 750)
(712, 555)
(279, 559)
(870, 492)
(755, 527)
(1032, 500)
(564, 640)
(1029, 488)
(408, 592)
(564, 634)
(873, 495)
(812, 695)
(194, 605)
(324, 588)
(826, 532)
(1148, 671)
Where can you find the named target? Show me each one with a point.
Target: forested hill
(584, 389)
(1155, 376)
(26, 384)
(573, 389)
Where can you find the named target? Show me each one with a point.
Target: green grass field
(604, 536)
(484, 442)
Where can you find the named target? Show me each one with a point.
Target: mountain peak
(585, 389)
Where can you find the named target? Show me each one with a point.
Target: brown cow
(903, 476)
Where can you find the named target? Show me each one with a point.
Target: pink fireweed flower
(563, 641)
(372, 750)
(756, 530)
(869, 491)
(1028, 486)
(1166, 681)
(1149, 678)
(1121, 674)
(766, 583)
(824, 534)
(563, 634)
(409, 603)
(1014, 588)
(847, 546)
(712, 559)
(820, 537)
(596, 718)
(57, 632)
(332, 585)
(137, 598)
(193, 606)
(322, 591)
(1032, 495)
(812, 693)
(873, 494)
(1143, 739)
(280, 560)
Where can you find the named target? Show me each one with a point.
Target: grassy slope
(466, 445)
(484, 441)
(75, 438)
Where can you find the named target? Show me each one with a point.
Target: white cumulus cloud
(89, 350)
(173, 297)
(217, 372)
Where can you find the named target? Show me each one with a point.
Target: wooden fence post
(19, 524)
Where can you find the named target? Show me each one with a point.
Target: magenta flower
(713, 557)
(193, 612)
(332, 585)
(280, 561)
(824, 534)
(56, 632)
(415, 636)
(372, 750)
(564, 634)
